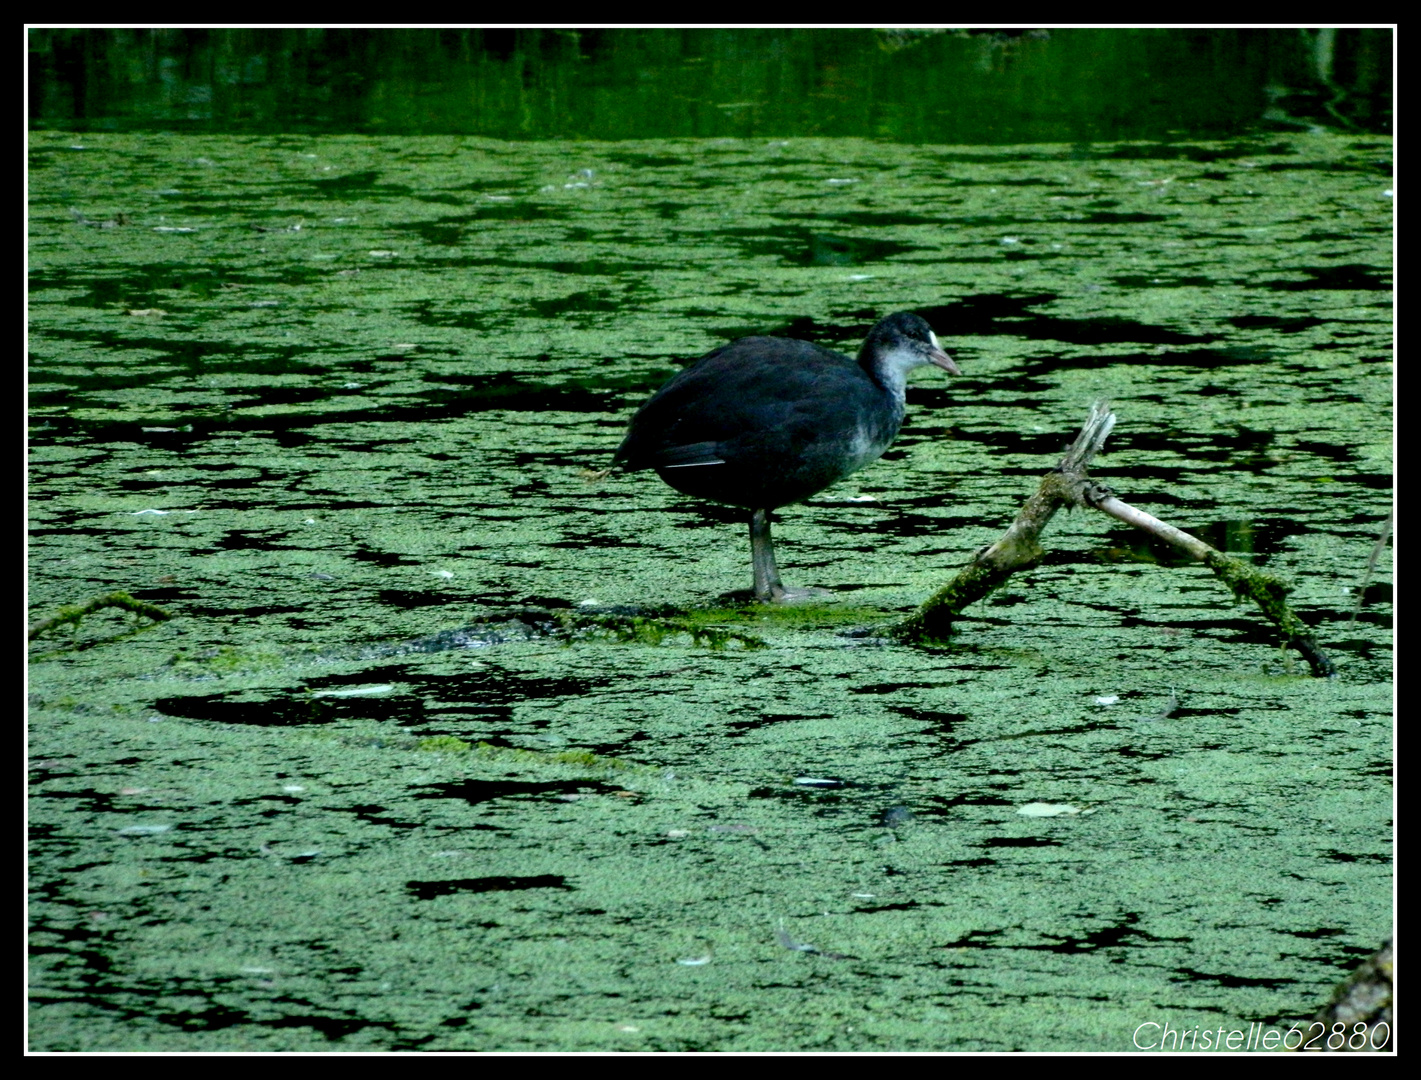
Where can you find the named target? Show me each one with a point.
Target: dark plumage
(765, 421)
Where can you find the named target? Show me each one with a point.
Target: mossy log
(75, 613)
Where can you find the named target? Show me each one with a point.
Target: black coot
(765, 421)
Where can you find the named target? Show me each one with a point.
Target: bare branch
(1070, 485)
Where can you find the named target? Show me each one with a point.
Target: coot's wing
(759, 398)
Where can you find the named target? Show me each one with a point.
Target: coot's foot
(780, 594)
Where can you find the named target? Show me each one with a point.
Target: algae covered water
(342, 405)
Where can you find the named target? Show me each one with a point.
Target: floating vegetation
(586, 759)
(331, 510)
(444, 744)
(225, 660)
(568, 626)
(517, 627)
(643, 630)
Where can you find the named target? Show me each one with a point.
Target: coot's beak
(936, 356)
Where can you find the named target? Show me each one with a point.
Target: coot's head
(900, 343)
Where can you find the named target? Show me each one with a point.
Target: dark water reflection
(982, 87)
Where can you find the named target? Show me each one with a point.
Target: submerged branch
(75, 613)
(1070, 485)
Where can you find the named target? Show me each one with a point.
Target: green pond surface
(394, 777)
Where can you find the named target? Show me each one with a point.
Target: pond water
(342, 406)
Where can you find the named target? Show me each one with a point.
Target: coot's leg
(768, 588)
(762, 558)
